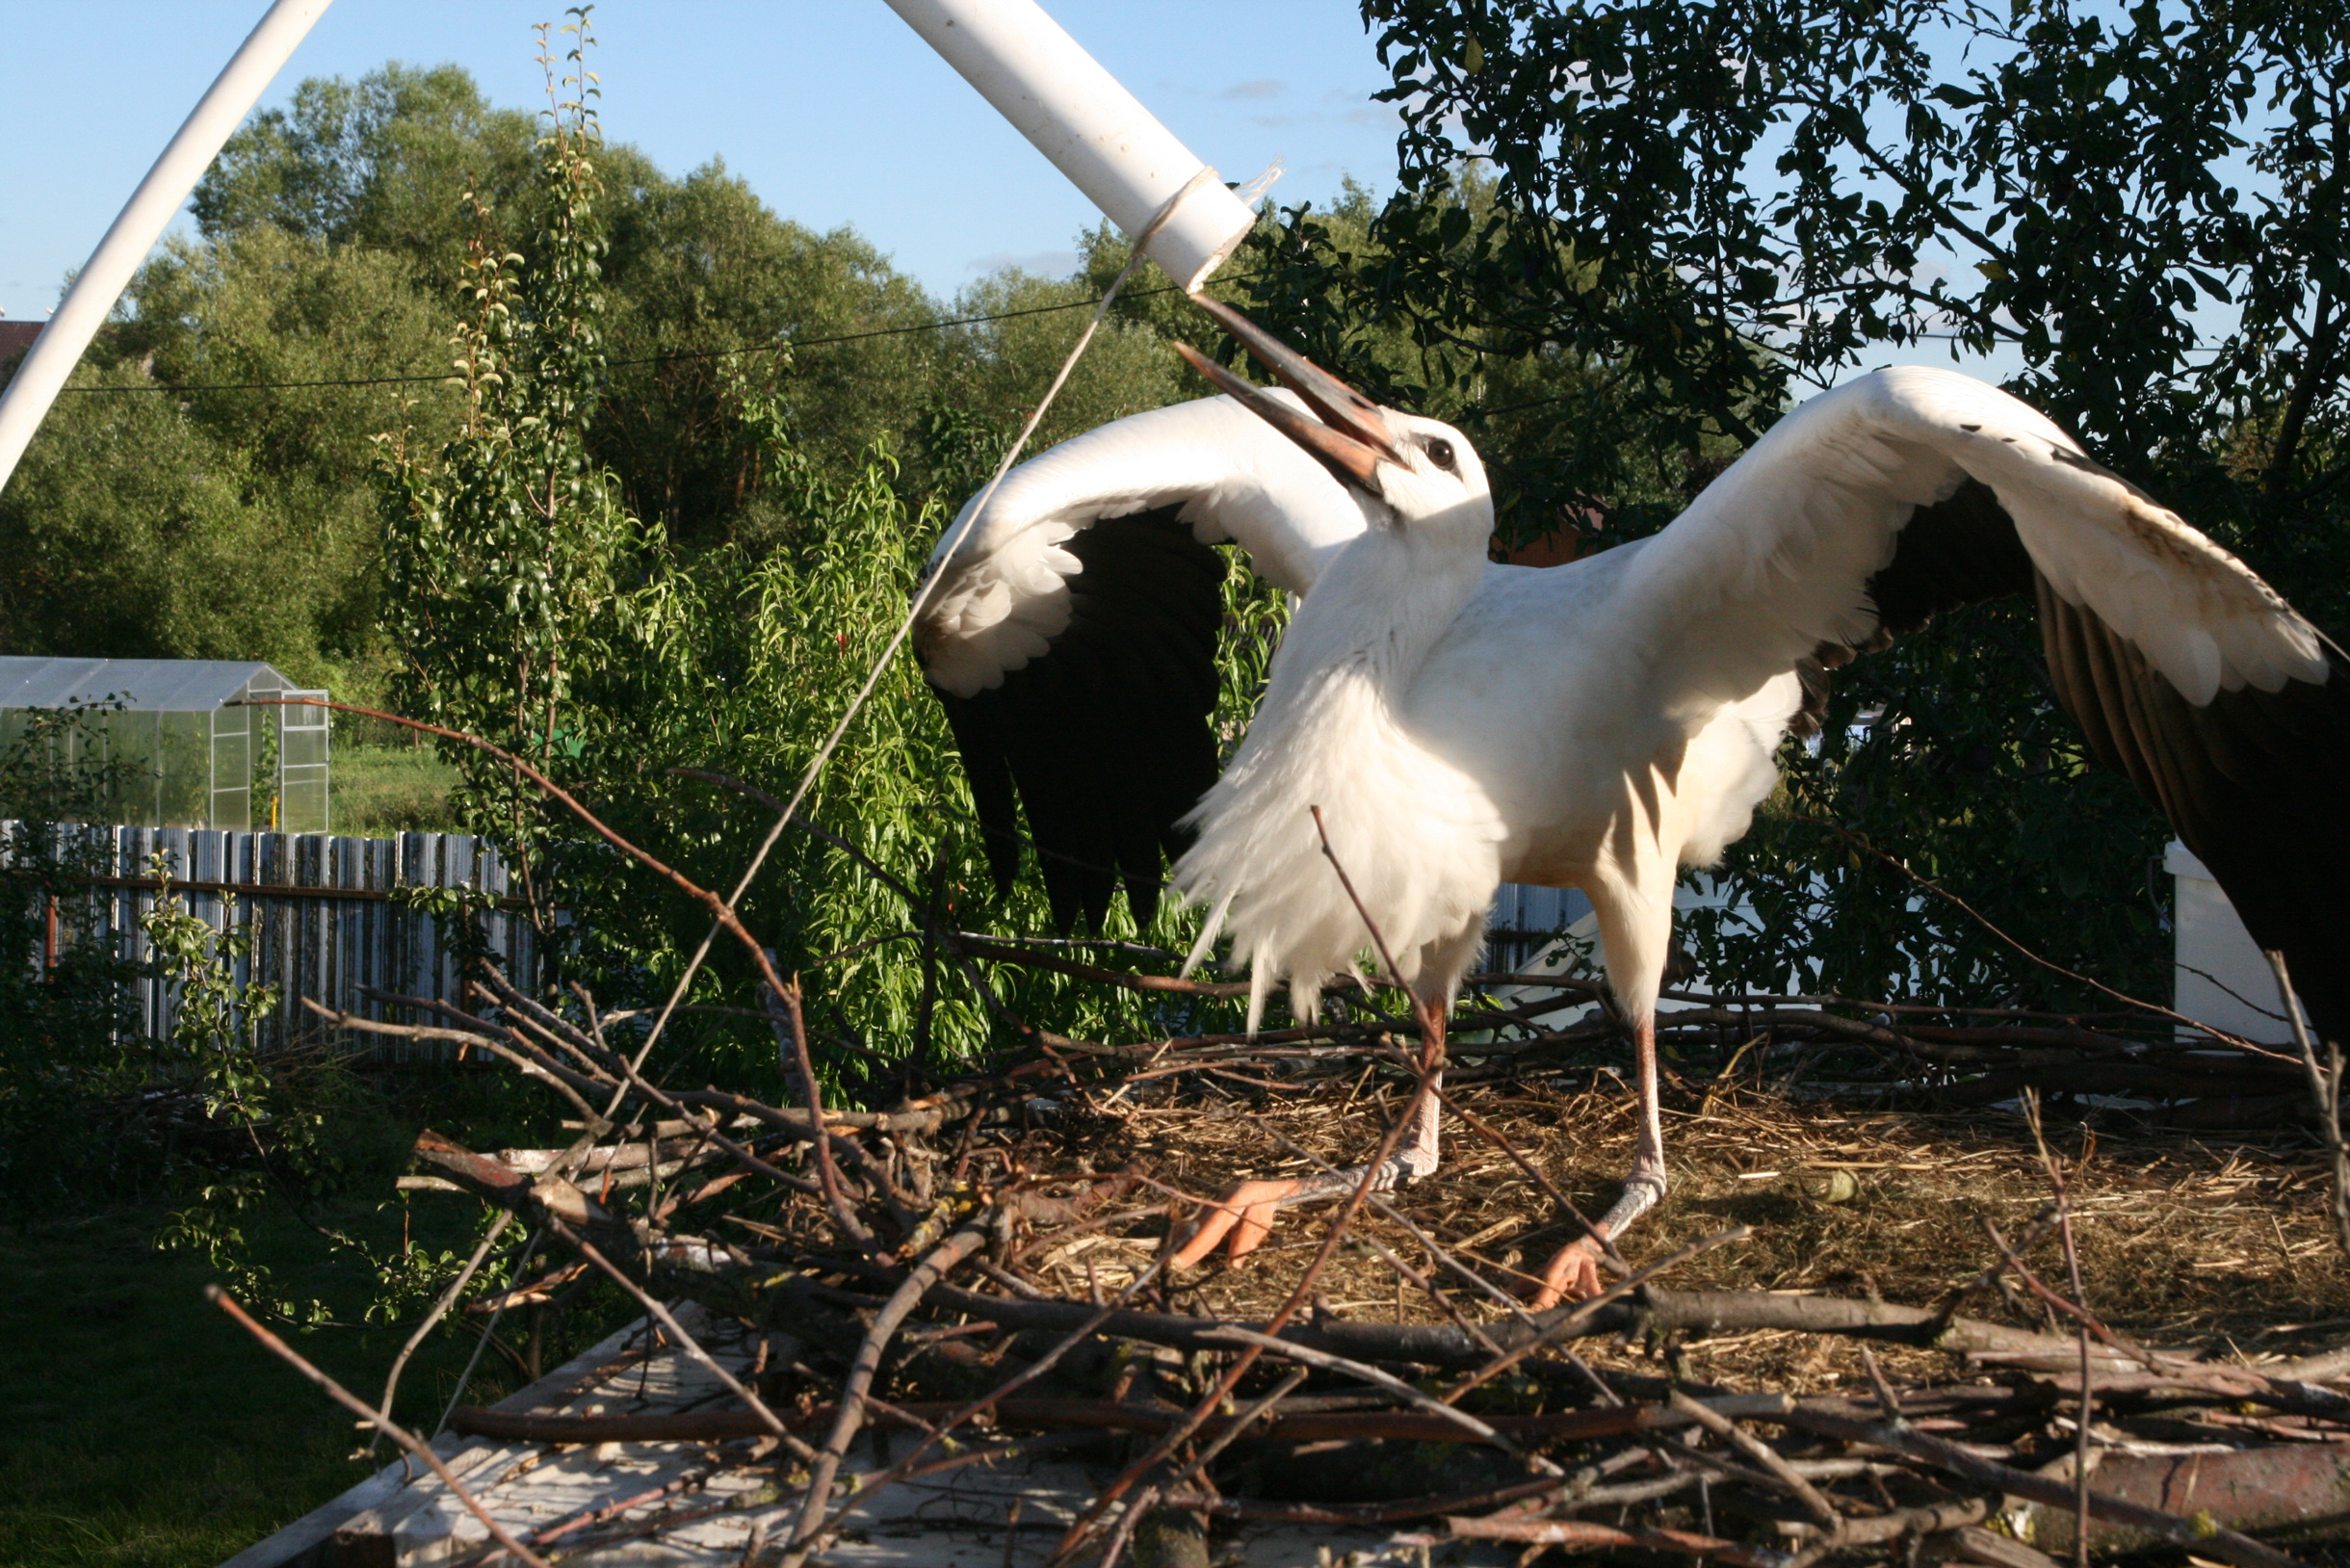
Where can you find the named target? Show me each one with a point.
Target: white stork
(1596, 724)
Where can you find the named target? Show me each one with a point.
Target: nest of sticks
(1874, 1320)
(1859, 1327)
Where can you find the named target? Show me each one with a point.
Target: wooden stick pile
(894, 1261)
(893, 1264)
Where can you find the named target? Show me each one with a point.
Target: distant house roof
(16, 337)
(142, 684)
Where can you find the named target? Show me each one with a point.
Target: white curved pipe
(111, 266)
(1093, 130)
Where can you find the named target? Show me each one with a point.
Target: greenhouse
(165, 742)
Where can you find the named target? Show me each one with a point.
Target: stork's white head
(1417, 476)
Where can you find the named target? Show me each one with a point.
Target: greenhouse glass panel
(302, 745)
(170, 740)
(183, 779)
(232, 769)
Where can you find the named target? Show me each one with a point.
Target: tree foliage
(508, 550)
(533, 607)
(231, 518)
(1713, 209)
(371, 165)
(709, 289)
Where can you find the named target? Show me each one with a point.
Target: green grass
(381, 790)
(139, 1427)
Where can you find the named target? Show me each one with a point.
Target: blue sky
(831, 109)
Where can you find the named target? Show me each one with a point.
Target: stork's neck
(1379, 607)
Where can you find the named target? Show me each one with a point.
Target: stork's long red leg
(1246, 1213)
(1575, 1272)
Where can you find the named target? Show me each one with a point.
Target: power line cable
(783, 347)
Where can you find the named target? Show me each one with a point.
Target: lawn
(142, 1429)
(381, 790)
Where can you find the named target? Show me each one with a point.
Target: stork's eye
(1439, 450)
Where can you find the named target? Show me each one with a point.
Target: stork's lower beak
(1350, 438)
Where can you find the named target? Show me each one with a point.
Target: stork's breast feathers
(1420, 837)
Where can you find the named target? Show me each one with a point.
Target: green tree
(710, 289)
(1719, 205)
(230, 523)
(508, 552)
(331, 238)
(706, 287)
(125, 532)
(373, 164)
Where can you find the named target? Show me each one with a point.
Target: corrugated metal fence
(327, 925)
(325, 921)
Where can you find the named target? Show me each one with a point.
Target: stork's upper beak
(1350, 438)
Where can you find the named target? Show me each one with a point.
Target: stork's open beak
(1350, 438)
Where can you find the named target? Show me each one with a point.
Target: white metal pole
(102, 281)
(1093, 130)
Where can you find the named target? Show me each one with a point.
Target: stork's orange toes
(1573, 1274)
(1245, 1214)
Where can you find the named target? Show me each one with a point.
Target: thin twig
(373, 1417)
(1373, 1375)
(1429, 1021)
(1436, 1249)
(1240, 1423)
(685, 1341)
(2326, 1088)
(724, 911)
(1769, 1458)
(1575, 1321)
(1493, 1134)
(791, 1028)
(1035, 1370)
(440, 1309)
(934, 1267)
(2054, 1169)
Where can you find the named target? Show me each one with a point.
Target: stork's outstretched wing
(1869, 509)
(1073, 636)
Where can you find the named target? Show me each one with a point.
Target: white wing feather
(1005, 594)
(1773, 558)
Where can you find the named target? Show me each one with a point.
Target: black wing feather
(1106, 738)
(1958, 551)
(2251, 782)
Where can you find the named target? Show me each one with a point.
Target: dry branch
(2199, 1535)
